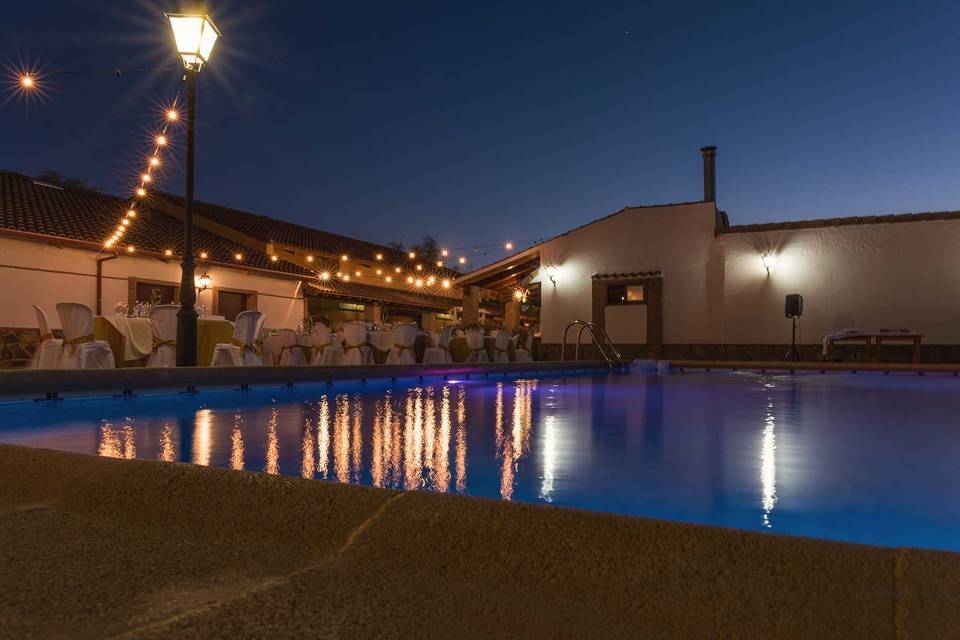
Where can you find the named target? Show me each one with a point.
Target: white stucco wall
(895, 275)
(44, 274)
(677, 240)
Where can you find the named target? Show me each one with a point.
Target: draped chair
(501, 345)
(440, 354)
(404, 335)
(325, 352)
(80, 349)
(290, 352)
(355, 336)
(525, 354)
(50, 349)
(478, 350)
(242, 350)
(163, 318)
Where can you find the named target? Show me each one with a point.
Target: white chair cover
(404, 335)
(478, 352)
(501, 344)
(526, 353)
(440, 354)
(50, 349)
(355, 336)
(290, 352)
(243, 351)
(325, 353)
(163, 317)
(80, 350)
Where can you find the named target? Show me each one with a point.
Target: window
(231, 303)
(155, 293)
(625, 294)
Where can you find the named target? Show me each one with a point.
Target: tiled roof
(841, 222)
(88, 216)
(368, 292)
(632, 274)
(267, 229)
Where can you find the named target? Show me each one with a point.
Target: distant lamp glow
(346, 277)
(238, 257)
(124, 222)
(379, 272)
(462, 260)
(195, 35)
(356, 273)
(273, 258)
(343, 258)
(444, 253)
(339, 274)
(379, 256)
(768, 260)
(409, 279)
(388, 279)
(154, 161)
(203, 255)
(309, 258)
(439, 263)
(146, 177)
(131, 213)
(205, 280)
(508, 246)
(397, 269)
(419, 267)
(412, 255)
(431, 280)
(130, 248)
(418, 282)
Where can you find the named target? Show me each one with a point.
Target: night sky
(486, 121)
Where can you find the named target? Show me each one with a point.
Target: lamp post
(195, 35)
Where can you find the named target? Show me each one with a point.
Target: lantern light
(195, 35)
(205, 280)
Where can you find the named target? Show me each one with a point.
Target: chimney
(709, 173)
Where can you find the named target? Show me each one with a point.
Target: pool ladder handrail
(613, 360)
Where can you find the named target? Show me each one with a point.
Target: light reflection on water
(860, 458)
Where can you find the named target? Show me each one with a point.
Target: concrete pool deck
(99, 548)
(50, 383)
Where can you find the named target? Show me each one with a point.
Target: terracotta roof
(372, 293)
(87, 216)
(842, 222)
(269, 229)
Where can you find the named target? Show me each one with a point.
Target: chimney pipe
(709, 173)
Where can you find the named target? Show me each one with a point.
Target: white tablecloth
(137, 335)
(381, 340)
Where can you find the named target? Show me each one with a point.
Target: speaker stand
(792, 352)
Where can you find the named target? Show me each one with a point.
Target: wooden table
(875, 340)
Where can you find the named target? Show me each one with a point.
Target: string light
(418, 283)
(397, 269)
(346, 278)
(168, 253)
(379, 272)
(203, 255)
(431, 280)
(146, 177)
(444, 253)
(125, 222)
(131, 213)
(356, 273)
(462, 260)
(379, 256)
(339, 274)
(309, 258)
(172, 115)
(154, 161)
(27, 81)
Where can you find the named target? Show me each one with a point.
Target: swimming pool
(863, 458)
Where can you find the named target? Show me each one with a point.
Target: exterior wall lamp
(552, 274)
(768, 260)
(205, 280)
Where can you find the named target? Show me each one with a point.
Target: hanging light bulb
(154, 161)
(161, 140)
(131, 213)
(444, 253)
(141, 192)
(172, 115)
(462, 260)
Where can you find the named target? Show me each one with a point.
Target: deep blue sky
(482, 121)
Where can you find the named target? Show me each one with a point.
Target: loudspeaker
(793, 307)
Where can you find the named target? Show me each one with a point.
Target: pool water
(862, 458)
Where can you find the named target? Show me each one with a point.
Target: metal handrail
(590, 326)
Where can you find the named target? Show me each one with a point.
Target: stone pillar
(471, 305)
(368, 312)
(512, 315)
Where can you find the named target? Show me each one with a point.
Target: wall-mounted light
(768, 260)
(204, 281)
(552, 272)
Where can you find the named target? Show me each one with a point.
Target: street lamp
(195, 35)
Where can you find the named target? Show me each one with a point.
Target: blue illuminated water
(862, 458)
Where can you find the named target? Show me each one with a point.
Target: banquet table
(128, 338)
